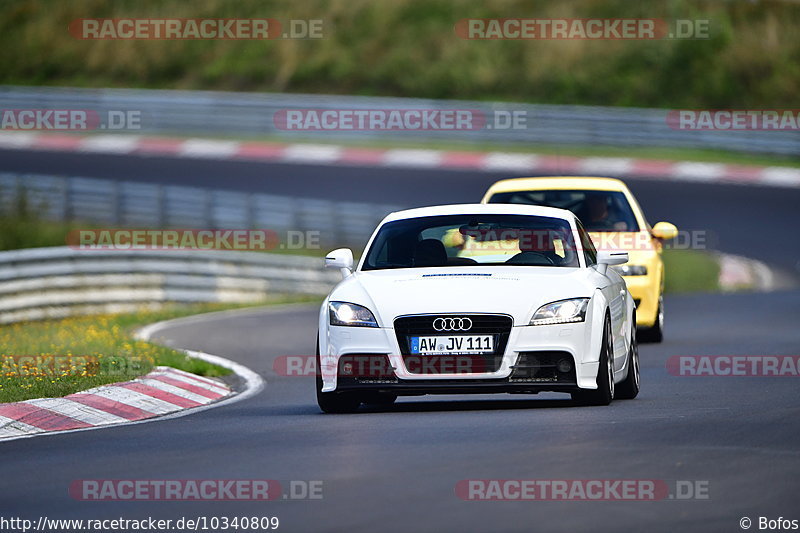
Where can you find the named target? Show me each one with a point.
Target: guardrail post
(63, 196)
(250, 212)
(208, 203)
(161, 207)
(116, 203)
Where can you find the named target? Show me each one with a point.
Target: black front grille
(499, 326)
(542, 367)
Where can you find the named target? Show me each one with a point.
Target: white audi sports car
(480, 298)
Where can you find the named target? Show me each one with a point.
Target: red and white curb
(164, 390)
(164, 393)
(742, 273)
(330, 154)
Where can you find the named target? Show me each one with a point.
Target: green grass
(21, 227)
(49, 359)
(690, 271)
(409, 48)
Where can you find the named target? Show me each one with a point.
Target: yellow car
(614, 220)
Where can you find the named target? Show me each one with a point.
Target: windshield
(463, 240)
(597, 210)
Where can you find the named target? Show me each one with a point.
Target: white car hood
(516, 291)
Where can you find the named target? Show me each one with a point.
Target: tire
(334, 402)
(629, 389)
(604, 394)
(656, 332)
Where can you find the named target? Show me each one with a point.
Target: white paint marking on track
(509, 161)
(606, 165)
(18, 139)
(316, 153)
(781, 176)
(115, 144)
(692, 171)
(413, 158)
(208, 148)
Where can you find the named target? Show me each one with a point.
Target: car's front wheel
(604, 394)
(334, 402)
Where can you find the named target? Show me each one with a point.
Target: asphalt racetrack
(733, 439)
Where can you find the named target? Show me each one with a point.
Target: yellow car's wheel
(656, 332)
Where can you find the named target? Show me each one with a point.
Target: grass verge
(690, 271)
(747, 59)
(50, 359)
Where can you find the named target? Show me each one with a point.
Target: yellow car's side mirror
(664, 231)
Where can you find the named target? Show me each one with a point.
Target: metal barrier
(133, 204)
(252, 114)
(42, 283)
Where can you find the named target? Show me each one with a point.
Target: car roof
(591, 183)
(480, 209)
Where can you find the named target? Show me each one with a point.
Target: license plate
(451, 344)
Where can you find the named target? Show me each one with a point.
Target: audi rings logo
(452, 324)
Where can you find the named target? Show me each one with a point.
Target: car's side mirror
(341, 258)
(664, 231)
(612, 258)
(606, 258)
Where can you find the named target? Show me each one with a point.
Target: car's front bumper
(645, 291)
(541, 344)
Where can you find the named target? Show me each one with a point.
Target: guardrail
(135, 204)
(43, 283)
(252, 114)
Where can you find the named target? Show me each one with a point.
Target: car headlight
(347, 314)
(631, 270)
(561, 312)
